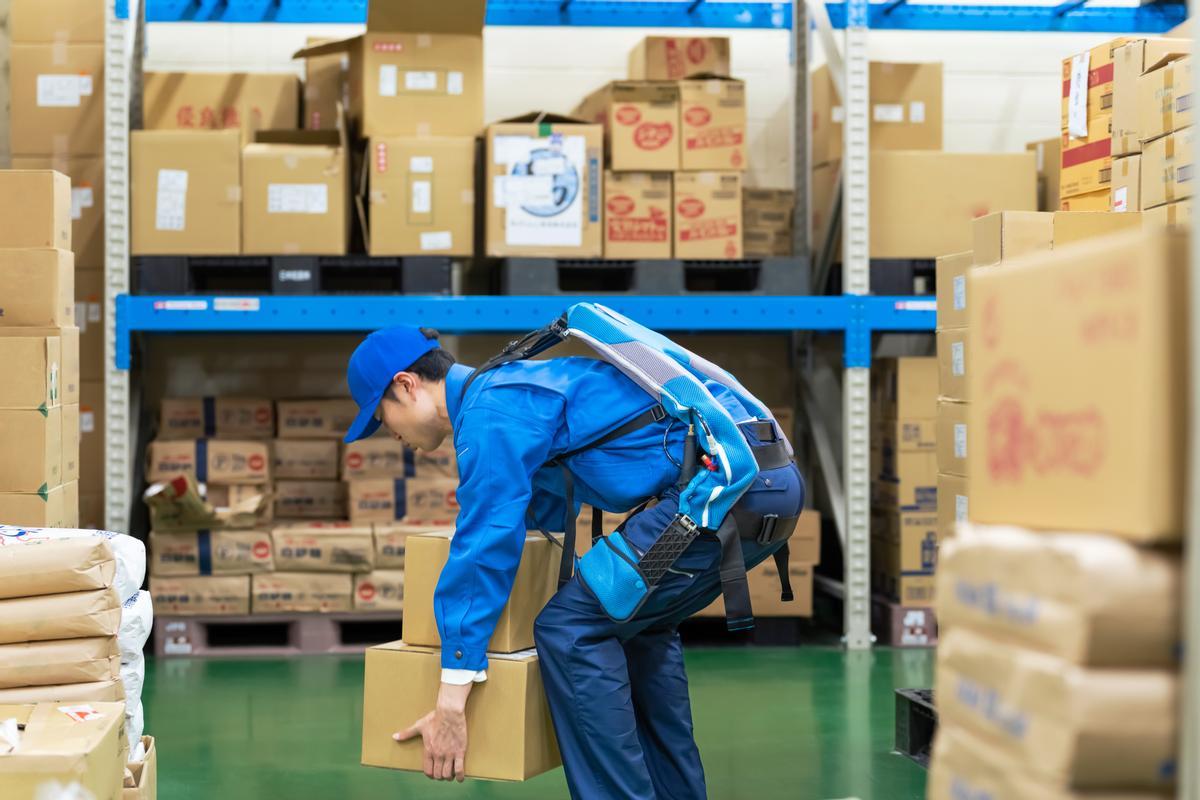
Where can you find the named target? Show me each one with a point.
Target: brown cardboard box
(1172, 215)
(906, 435)
(904, 388)
(85, 752)
(380, 590)
(310, 499)
(708, 215)
(31, 449)
(304, 592)
(86, 174)
(1087, 162)
(953, 383)
(37, 288)
(1126, 184)
(1068, 446)
(906, 109)
(58, 99)
(218, 552)
(1098, 201)
(145, 774)
(202, 596)
(1071, 227)
(33, 371)
(637, 215)
(1007, 234)
(641, 124)
(59, 661)
(1048, 155)
(89, 316)
(1167, 168)
(422, 196)
(70, 443)
(73, 615)
(922, 202)
(216, 417)
(822, 190)
(1067, 725)
(91, 448)
(187, 192)
(35, 209)
(757, 243)
(669, 58)
(1164, 101)
(56, 508)
(535, 583)
(712, 124)
(324, 548)
(247, 102)
(765, 595)
(952, 437)
(414, 500)
(56, 566)
(1093, 91)
(315, 419)
(377, 457)
(439, 463)
(907, 481)
(951, 283)
(296, 196)
(417, 71)
(56, 21)
(326, 83)
(210, 461)
(544, 187)
(390, 539)
(1089, 599)
(953, 505)
(304, 459)
(512, 700)
(1129, 62)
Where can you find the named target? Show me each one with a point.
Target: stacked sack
(73, 621)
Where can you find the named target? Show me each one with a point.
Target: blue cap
(374, 363)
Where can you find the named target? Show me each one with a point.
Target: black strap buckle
(766, 533)
(659, 413)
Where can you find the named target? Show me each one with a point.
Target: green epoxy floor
(808, 723)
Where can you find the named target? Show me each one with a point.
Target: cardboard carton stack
(1164, 114)
(512, 696)
(767, 222)
(388, 484)
(1058, 672)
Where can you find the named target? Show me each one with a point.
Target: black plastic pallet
(916, 724)
(549, 276)
(273, 634)
(292, 275)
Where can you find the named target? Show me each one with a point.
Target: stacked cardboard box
(767, 222)
(81, 747)
(1058, 668)
(310, 430)
(1164, 114)
(388, 484)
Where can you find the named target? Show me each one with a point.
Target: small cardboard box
(712, 124)
(1087, 162)
(73, 615)
(1089, 87)
(377, 457)
(305, 459)
(144, 774)
(1098, 201)
(83, 747)
(302, 592)
(55, 508)
(210, 461)
(951, 272)
(1079, 450)
(35, 209)
(952, 437)
(1007, 234)
(37, 288)
(536, 582)
(421, 197)
(50, 21)
(86, 174)
(641, 124)
(57, 99)
(315, 419)
(326, 84)
(904, 388)
(59, 661)
(414, 500)
(953, 383)
(324, 547)
(201, 596)
(544, 181)
(708, 215)
(1080, 226)
(1048, 155)
(512, 700)
(953, 504)
(310, 499)
(390, 539)
(187, 192)
(1164, 101)
(296, 194)
(637, 215)
(1168, 166)
(217, 552)
(31, 449)
(381, 590)
(1129, 62)
(247, 102)
(1126, 184)
(34, 371)
(216, 417)
(89, 316)
(1172, 215)
(670, 58)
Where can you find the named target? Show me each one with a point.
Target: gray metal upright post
(801, 130)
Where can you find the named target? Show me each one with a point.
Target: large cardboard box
(31, 449)
(310, 499)
(201, 596)
(186, 192)
(1164, 101)
(712, 124)
(951, 272)
(1172, 215)
(390, 539)
(89, 316)
(210, 461)
(304, 459)
(303, 592)
(296, 196)
(1087, 83)
(708, 215)
(380, 590)
(422, 196)
(1129, 62)
(765, 597)
(83, 748)
(216, 417)
(669, 58)
(1067, 725)
(417, 71)
(544, 183)
(57, 99)
(74, 615)
(57, 507)
(37, 288)
(1126, 184)
(1071, 227)
(1007, 234)
(217, 552)
(952, 437)
(904, 388)
(1080, 412)
(377, 457)
(59, 661)
(86, 174)
(1087, 161)
(953, 382)
(511, 701)
(326, 84)
(953, 504)
(431, 501)
(535, 583)
(247, 102)
(1048, 155)
(907, 435)
(315, 419)
(922, 202)
(34, 369)
(1090, 599)
(906, 481)
(1168, 166)
(56, 21)
(906, 109)
(641, 124)
(637, 215)
(324, 547)
(35, 209)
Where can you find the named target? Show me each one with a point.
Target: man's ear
(404, 382)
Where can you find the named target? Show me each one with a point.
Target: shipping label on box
(324, 547)
(637, 215)
(210, 461)
(31, 449)
(315, 419)
(1087, 162)
(380, 590)
(302, 592)
(57, 97)
(305, 459)
(218, 552)
(953, 504)
(1008, 234)
(712, 124)
(377, 457)
(37, 288)
(669, 58)
(1087, 86)
(310, 499)
(1126, 184)
(1164, 100)
(1129, 62)
(951, 272)
(952, 364)
(180, 596)
(35, 208)
(708, 215)
(216, 417)
(295, 199)
(1168, 168)
(641, 124)
(952, 437)
(246, 102)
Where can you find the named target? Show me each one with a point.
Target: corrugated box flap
(546, 117)
(412, 16)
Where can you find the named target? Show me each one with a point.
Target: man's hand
(444, 733)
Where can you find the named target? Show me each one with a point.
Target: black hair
(434, 365)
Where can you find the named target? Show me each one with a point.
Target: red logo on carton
(261, 551)
(697, 116)
(388, 47)
(628, 115)
(262, 415)
(256, 462)
(620, 205)
(691, 207)
(653, 135)
(354, 460)
(381, 158)
(697, 51)
(366, 591)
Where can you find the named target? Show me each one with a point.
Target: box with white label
(952, 289)
(1126, 184)
(952, 364)
(421, 197)
(952, 437)
(57, 99)
(953, 504)
(295, 196)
